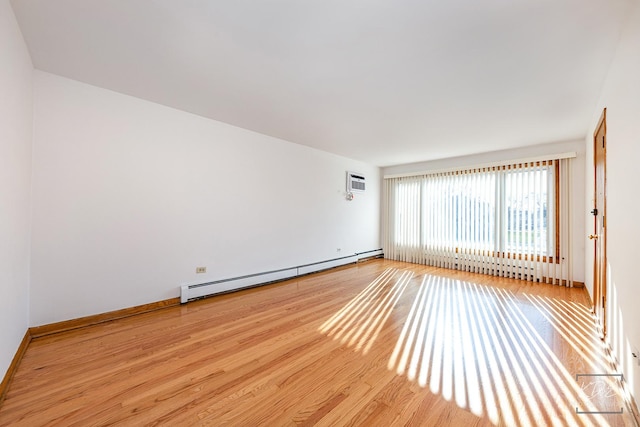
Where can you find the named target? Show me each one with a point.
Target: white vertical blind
(507, 220)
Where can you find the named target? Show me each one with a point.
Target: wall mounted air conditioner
(355, 182)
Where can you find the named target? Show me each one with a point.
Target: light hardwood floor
(380, 343)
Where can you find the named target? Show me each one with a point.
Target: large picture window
(481, 219)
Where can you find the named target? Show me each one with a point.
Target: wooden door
(599, 224)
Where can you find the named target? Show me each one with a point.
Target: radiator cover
(190, 292)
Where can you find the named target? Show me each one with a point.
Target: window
(529, 197)
(501, 212)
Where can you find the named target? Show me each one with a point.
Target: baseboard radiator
(191, 292)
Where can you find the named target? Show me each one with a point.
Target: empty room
(376, 213)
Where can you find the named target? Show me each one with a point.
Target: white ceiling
(383, 81)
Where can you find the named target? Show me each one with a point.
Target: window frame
(552, 254)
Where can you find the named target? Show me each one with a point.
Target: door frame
(600, 284)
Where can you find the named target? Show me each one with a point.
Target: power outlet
(201, 270)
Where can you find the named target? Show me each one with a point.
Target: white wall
(130, 197)
(578, 183)
(16, 118)
(621, 97)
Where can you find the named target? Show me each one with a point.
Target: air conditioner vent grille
(355, 182)
(358, 185)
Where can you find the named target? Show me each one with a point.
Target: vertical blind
(510, 221)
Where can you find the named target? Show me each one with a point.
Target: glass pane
(526, 210)
(459, 211)
(407, 214)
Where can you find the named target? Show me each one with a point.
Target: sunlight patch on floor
(474, 344)
(359, 322)
(483, 348)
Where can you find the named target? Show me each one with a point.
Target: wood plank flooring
(381, 343)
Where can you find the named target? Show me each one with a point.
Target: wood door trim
(597, 294)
